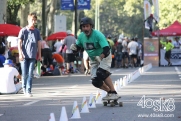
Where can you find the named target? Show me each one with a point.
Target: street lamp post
(75, 18)
(43, 17)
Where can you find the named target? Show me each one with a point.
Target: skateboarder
(97, 47)
(150, 22)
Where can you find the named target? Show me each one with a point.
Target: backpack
(56, 71)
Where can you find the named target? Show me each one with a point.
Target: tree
(13, 6)
(169, 12)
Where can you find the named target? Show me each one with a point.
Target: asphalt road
(158, 92)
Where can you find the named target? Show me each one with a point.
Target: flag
(156, 9)
(147, 12)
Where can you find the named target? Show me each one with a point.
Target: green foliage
(169, 12)
(120, 16)
(13, 7)
(116, 16)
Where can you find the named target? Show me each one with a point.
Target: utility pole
(43, 18)
(75, 18)
(96, 11)
(98, 16)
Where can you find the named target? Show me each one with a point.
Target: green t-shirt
(169, 46)
(93, 44)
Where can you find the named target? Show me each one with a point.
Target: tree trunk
(73, 23)
(25, 9)
(50, 23)
(79, 16)
(3, 6)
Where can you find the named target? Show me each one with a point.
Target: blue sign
(81, 4)
(84, 4)
(67, 4)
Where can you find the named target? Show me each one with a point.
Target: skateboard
(113, 102)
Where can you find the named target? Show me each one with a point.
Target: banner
(84, 4)
(175, 58)
(60, 23)
(69, 4)
(147, 12)
(156, 9)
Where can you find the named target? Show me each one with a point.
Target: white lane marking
(74, 86)
(117, 70)
(31, 102)
(1, 114)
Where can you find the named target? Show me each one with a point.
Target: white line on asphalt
(179, 75)
(31, 102)
(1, 114)
(73, 86)
(117, 70)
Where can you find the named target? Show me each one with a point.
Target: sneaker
(24, 91)
(29, 95)
(113, 96)
(106, 97)
(169, 63)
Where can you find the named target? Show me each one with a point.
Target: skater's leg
(105, 88)
(109, 83)
(100, 84)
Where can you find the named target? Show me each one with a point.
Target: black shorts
(168, 54)
(70, 57)
(125, 55)
(133, 56)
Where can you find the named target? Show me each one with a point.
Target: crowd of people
(20, 56)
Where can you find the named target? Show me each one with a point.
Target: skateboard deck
(113, 102)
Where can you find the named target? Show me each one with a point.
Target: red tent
(9, 30)
(172, 30)
(58, 35)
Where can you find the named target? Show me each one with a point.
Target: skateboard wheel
(112, 104)
(105, 103)
(120, 104)
(108, 101)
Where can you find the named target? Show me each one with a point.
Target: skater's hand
(73, 47)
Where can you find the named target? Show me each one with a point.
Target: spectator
(8, 86)
(28, 44)
(46, 53)
(168, 46)
(70, 57)
(57, 45)
(2, 52)
(12, 41)
(59, 60)
(132, 48)
(118, 53)
(125, 52)
(177, 43)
